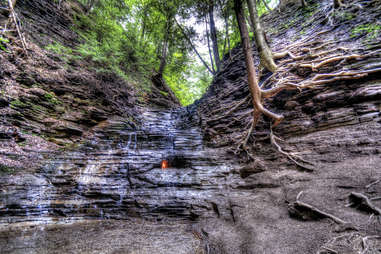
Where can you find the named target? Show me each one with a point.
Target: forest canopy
(184, 41)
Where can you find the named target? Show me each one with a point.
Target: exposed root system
(309, 66)
(304, 211)
(300, 162)
(14, 20)
(362, 202)
(355, 241)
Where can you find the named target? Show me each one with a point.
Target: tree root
(13, 18)
(372, 183)
(362, 202)
(18, 29)
(290, 156)
(334, 75)
(244, 141)
(304, 211)
(280, 55)
(237, 105)
(317, 80)
(329, 60)
(294, 73)
(249, 132)
(365, 246)
(330, 250)
(354, 241)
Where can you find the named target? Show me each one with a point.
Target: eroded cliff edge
(213, 199)
(334, 127)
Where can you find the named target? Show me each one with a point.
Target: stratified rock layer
(112, 194)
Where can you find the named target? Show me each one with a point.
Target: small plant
(18, 104)
(58, 48)
(37, 107)
(37, 85)
(61, 50)
(349, 16)
(343, 15)
(372, 31)
(164, 93)
(3, 42)
(6, 169)
(290, 24)
(51, 98)
(22, 144)
(311, 9)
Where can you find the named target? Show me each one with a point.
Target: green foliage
(52, 99)
(127, 37)
(132, 37)
(65, 52)
(261, 8)
(58, 48)
(3, 43)
(110, 38)
(371, 31)
(5, 170)
(189, 84)
(311, 9)
(36, 107)
(18, 104)
(164, 93)
(343, 15)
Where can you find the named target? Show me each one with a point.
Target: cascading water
(119, 175)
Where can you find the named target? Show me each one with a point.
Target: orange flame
(164, 164)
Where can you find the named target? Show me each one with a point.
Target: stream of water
(119, 175)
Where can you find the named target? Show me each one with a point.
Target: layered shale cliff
(82, 154)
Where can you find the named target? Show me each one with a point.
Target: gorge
(82, 153)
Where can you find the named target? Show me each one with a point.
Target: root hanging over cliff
(314, 61)
(14, 21)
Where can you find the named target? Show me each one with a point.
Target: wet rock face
(119, 175)
(208, 199)
(49, 103)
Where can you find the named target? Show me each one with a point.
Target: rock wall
(213, 198)
(51, 102)
(333, 131)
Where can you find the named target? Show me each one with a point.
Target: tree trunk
(227, 37)
(251, 72)
(225, 15)
(263, 48)
(213, 34)
(163, 57)
(144, 26)
(255, 90)
(208, 40)
(164, 50)
(5, 13)
(193, 47)
(304, 4)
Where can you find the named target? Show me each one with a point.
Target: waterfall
(118, 174)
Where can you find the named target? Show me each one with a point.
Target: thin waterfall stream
(119, 175)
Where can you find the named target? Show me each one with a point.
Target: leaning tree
(281, 77)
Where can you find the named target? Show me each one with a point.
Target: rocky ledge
(316, 189)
